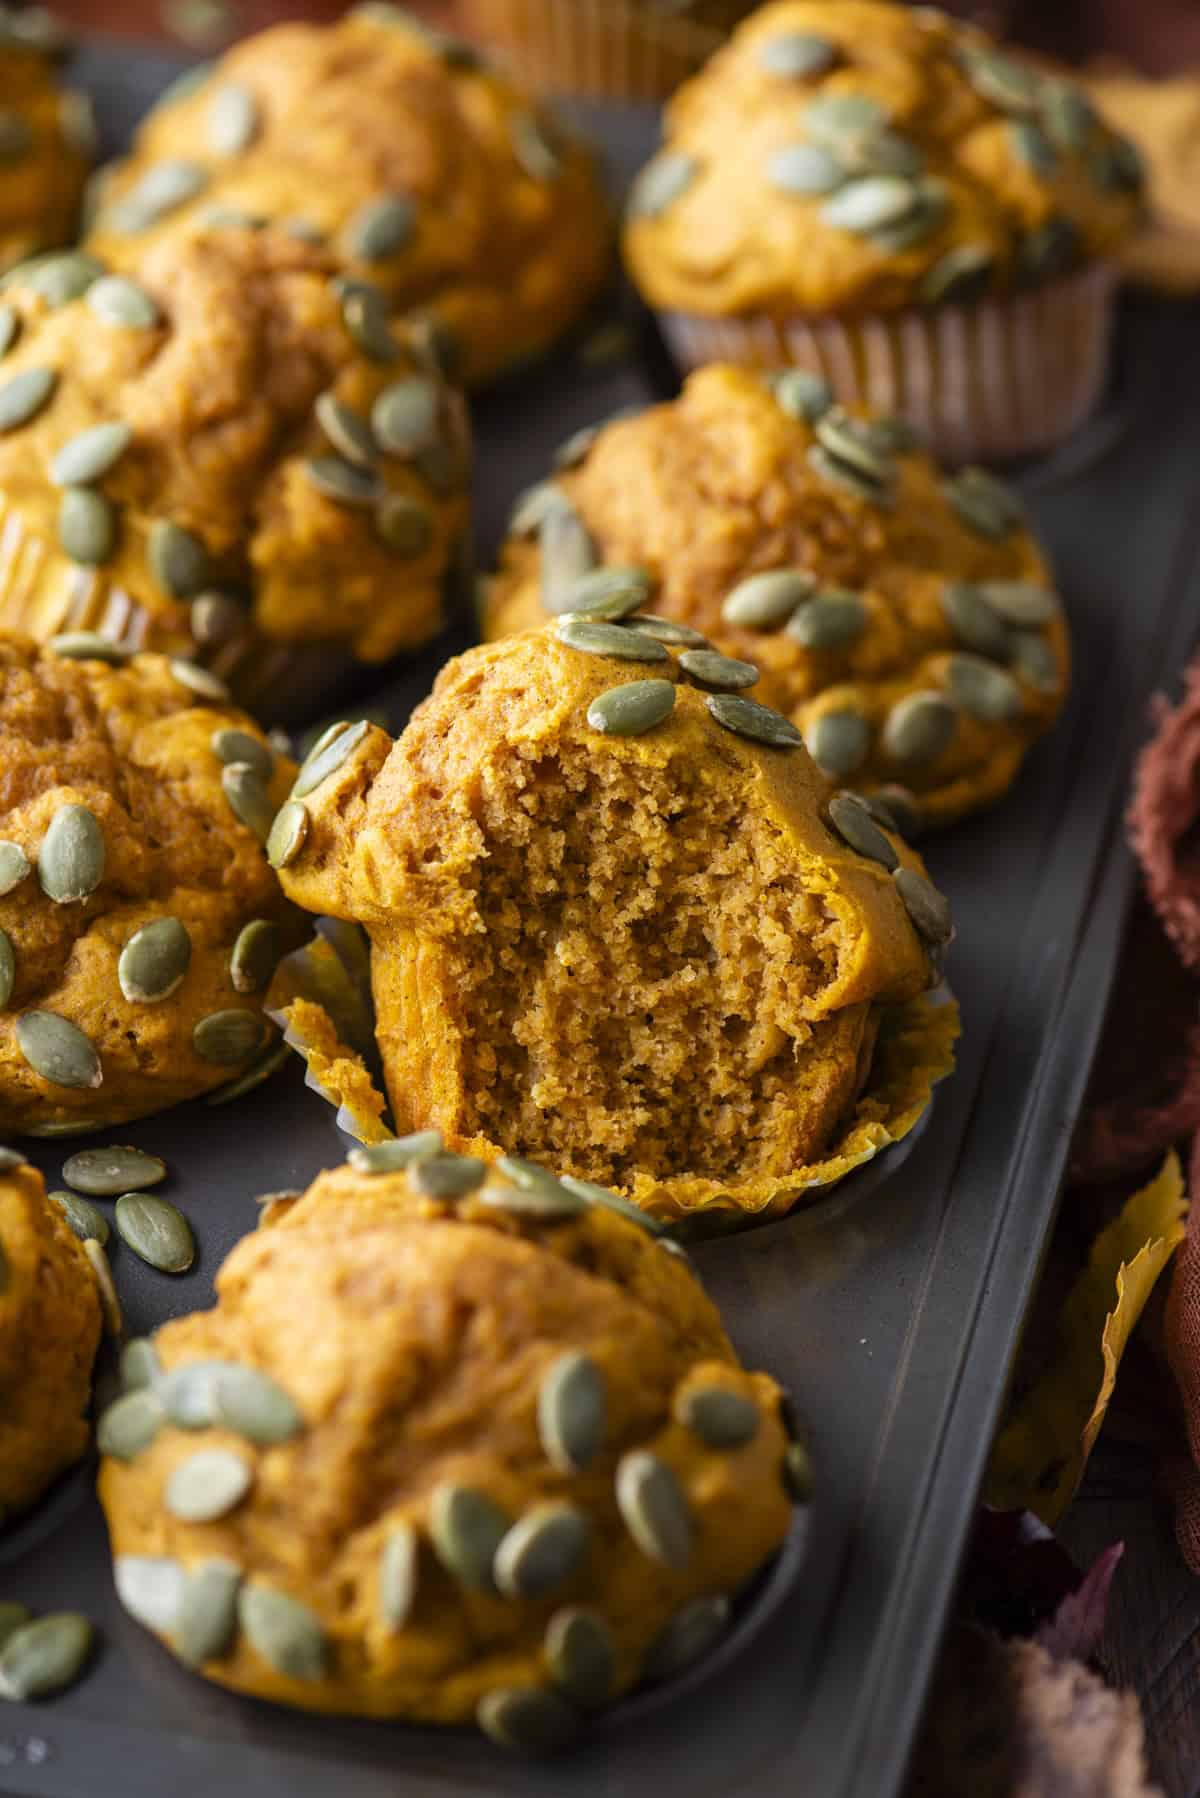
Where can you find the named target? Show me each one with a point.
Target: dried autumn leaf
(1043, 1447)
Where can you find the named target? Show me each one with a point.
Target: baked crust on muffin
(426, 173)
(822, 545)
(49, 1332)
(454, 1443)
(47, 139)
(139, 919)
(231, 453)
(633, 944)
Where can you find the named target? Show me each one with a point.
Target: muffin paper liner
(601, 48)
(322, 1005)
(990, 381)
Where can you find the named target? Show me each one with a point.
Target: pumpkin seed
(110, 1302)
(533, 506)
(178, 559)
(962, 273)
(793, 55)
(255, 956)
(764, 600)
(916, 226)
(652, 1504)
(975, 623)
(1005, 82)
(154, 961)
(130, 1424)
(531, 144)
(632, 709)
(231, 745)
(466, 1528)
(85, 1220)
(577, 446)
(572, 1412)
(663, 181)
(286, 1633)
(150, 1587)
(852, 820)
(896, 809)
(248, 798)
(928, 909)
(526, 1718)
(117, 300)
(983, 503)
(58, 1050)
(707, 668)
(11, 1158)
(43, 1657)
(61, 279)
(164, 188)
(805, 169)
(206, 1617)
(854, 441)
(1020, 603)
(1035, 661)
(842, 474)
(14, 867)
(801, 393)
(228, 1037)
(720, 1417)
(1049, 250)
(609, 640)
(542, 1550)
(607, 594)
(10, 325)
(232, 119)
(835, 119)
(832, 618)
(691, 1632)
(747, 718)
(342, 482)
(12, 1616)
(581, 1656)
(382, 227)
(104, 1173)
(216, 619)
(91, 454)
(365, 316)
(566, 553)
(288, 834)
(398, 1575)
(919, 727)
(304, 231)
(349, 434)
(884, 152)
(871, 202)
(839, 742)
(140, 1365)
(89, 646)
(8, 968)
(403, 526)
(394, 1156)
(612, 1201)
(667, 630)
(207, 1485)
(1033, 147)
(155, 1231)
(188, 1393)
(982, 690)
(88, 525)
(23, 395)
(543, 1199)
(447, 1176)
(328, 757)
(406, 416)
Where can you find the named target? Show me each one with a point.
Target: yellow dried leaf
(1043, 1447)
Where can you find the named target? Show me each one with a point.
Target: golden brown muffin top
(864, 157)
(424, 171)
(47, 138)
(236, 420)
(447, 1412)
(828, 549)
(139, 919)
(49, 1329)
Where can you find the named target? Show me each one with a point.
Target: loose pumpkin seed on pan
(632, 709)
(58, 1050)
(692, 1631)
(130, 1424)
(154, 961)
(43, 1657)
(105, 1173)
(581, 1656)
(156, 1231)
(208, 1485)
(286, 1633)
(529, 1719)
(654, 1508)
(398, 1566)
(206, 1616)
(747, 718)
(86, 1220)
(466, 1528)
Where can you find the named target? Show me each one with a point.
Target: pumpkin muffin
(139, 921)
(231, 457)
(906, 622)
(618, 925)
(47, 140)
(456, 1443)
(423, 171)
(876, 193)
(49, 1331)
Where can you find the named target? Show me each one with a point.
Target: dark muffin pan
(891, 1309)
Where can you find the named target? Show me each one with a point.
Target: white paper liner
(601, 48)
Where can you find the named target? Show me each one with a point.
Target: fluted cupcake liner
(988, 381)
(601, 48)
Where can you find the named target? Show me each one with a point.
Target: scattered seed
(232, 119)
(188, 1393)
(843, 118)
(154, 961)
(398, 1575)
(230, 745)
(609, 640)
(178, 559)
(855, 443)
(447, 1176)
(365, 316)
(394, 1156)
(984, 503)
(572, 1412)
(581, 1656)
(43, 1657)
(14, 867)
(612, 1201)
(151, 1589)
(765, 600)
(130, 1424)
(216, 619)
(382, 228)
(228, 1037)
(632, 709)
(567, 552)
(919, 728)
(852, 820)
(830, 620)
(532, 507)
(805, 169)
(207, 1485)
(91, 454)
(975, 623)
(349, 433)
(342, 482)
(794, 55)
(842, 474)
(140, 1365)
(801, 393)
(156, 1232)
(896, 809)
(661, 183)
(1020, 603)
(866, 205)
(982, 690)
(117, 300)
(88, 526)
(928, 909)
(1035, 661)
(89, 646)
(288, 834)
(104, 1173)
(720, 1417)
(715, 672)
(667, 630)
(542, 1550)
(248, 798)
(526, 1718)
(652, 1503)
(543, 1199)
(1006, 83)
(255, 956)
(58, 1050)
(162, 189)
(206, 1616)
(466, 1528)
(286, 1633)
(85, 1220)
(23, 395)
(328, 757)
(605, 595)
(747, 718)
